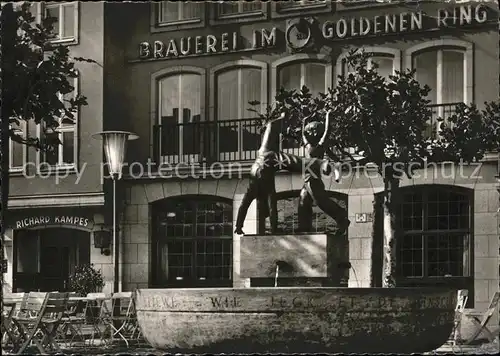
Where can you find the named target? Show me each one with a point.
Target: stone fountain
(280, 312)
(294, 319)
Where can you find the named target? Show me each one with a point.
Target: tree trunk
(391, 185)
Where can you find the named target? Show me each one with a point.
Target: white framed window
(286, 8)
(443, 70)
(229, 9)
(66, 15)
(17, 151)
(388, 61)
(237, 84)
(314, 75)
(175, 12)
(301, 4)
(446, 67)
(181, 107)
(66, 153)
(293, 72)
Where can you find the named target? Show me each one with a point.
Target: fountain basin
(296, 319)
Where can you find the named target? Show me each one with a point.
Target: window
(236, 86)
(443, 71)
(66, 20)
(238, 8)
(171, 12)
(17, 151)
(300, 5)
(388, 61)
(288, 203)
(385, 64)
(447, 70)
(64, 154)
(436, 233)
(311, 74)
(315, 75)
(194, 242)
(180, 114)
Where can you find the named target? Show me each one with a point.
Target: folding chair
(12, 303)
(97, 313)
(123, 319)
(42, 329)
(71, 322)
(481, 323)
(463, 296)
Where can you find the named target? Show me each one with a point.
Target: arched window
(237, 84)
(312, 74)
(288, 203)
(296, 71)
(193, 242)
(446, 67)
(180, 111)
(436, 235)
(387, 59)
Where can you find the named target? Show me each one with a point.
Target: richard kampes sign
(60, 220)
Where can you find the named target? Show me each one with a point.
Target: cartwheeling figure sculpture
(262, 185)
(314, 188)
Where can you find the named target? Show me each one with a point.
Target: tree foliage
(39, 73)
(385, 122)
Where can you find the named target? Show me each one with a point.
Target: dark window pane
(68, 147)
(53, 12)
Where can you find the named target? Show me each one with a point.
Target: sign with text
(57, 220)
(300, 34)
(207, 44)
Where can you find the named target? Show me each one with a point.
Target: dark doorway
(46, 258)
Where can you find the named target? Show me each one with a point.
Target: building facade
(181, 76)
(57, 201)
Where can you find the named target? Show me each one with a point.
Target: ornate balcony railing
(232, 140)
(439, 111)
(213, 141)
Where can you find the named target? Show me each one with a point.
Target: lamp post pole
(116, 259)
(115, 147)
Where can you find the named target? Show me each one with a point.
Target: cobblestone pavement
(143, 349)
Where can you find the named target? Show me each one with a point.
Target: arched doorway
(44, 259)
(192, 242)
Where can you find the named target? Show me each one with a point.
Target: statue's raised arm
(327, 129)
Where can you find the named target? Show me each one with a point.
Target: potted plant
(84, 280)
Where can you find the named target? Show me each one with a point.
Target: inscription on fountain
(225, 302)
(278, 301)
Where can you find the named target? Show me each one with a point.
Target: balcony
(439, 110)
(208, 142)
(232, 140)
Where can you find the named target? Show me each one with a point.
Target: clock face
(298, 38)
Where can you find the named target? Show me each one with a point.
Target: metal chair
(480, 323)
(42, 328)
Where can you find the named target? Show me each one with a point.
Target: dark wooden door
(54, 268)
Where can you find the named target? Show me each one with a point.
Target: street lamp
(114, 147)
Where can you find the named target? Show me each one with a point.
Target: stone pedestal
(299, 260)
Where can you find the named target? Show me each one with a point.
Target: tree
(384, 122)
(35, 75)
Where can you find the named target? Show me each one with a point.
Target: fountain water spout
(276, 275)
